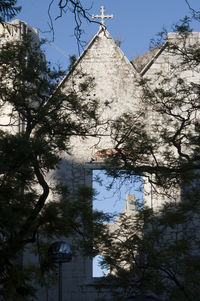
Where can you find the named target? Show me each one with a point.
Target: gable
(115, 78)
(145, 61)
(115, 87)
(167, 60)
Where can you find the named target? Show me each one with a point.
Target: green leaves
(155, 257)
(40, 121)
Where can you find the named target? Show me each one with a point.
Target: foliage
(156, 253)
(37, 122)
(156, 250)
(168, 152)
(8, 10)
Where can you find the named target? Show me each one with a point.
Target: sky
(112, 201)
(111, 195)
(135, 23)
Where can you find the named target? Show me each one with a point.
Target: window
(111, 198)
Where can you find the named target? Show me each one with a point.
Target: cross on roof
(102, 16)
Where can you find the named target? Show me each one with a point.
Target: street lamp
(60, 252)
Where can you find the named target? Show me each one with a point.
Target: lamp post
(60, 252)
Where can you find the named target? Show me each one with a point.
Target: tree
(80, 11)
(8, 10)
(48, 119)
(37, 122)
(194, 12)
(156, 251)
(169, 99)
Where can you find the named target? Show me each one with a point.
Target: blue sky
(135, 23)
(112, 200)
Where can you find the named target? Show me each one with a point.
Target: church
(116, 87)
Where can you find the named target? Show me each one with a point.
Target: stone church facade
(115, 86)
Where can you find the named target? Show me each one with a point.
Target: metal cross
(102, 17)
